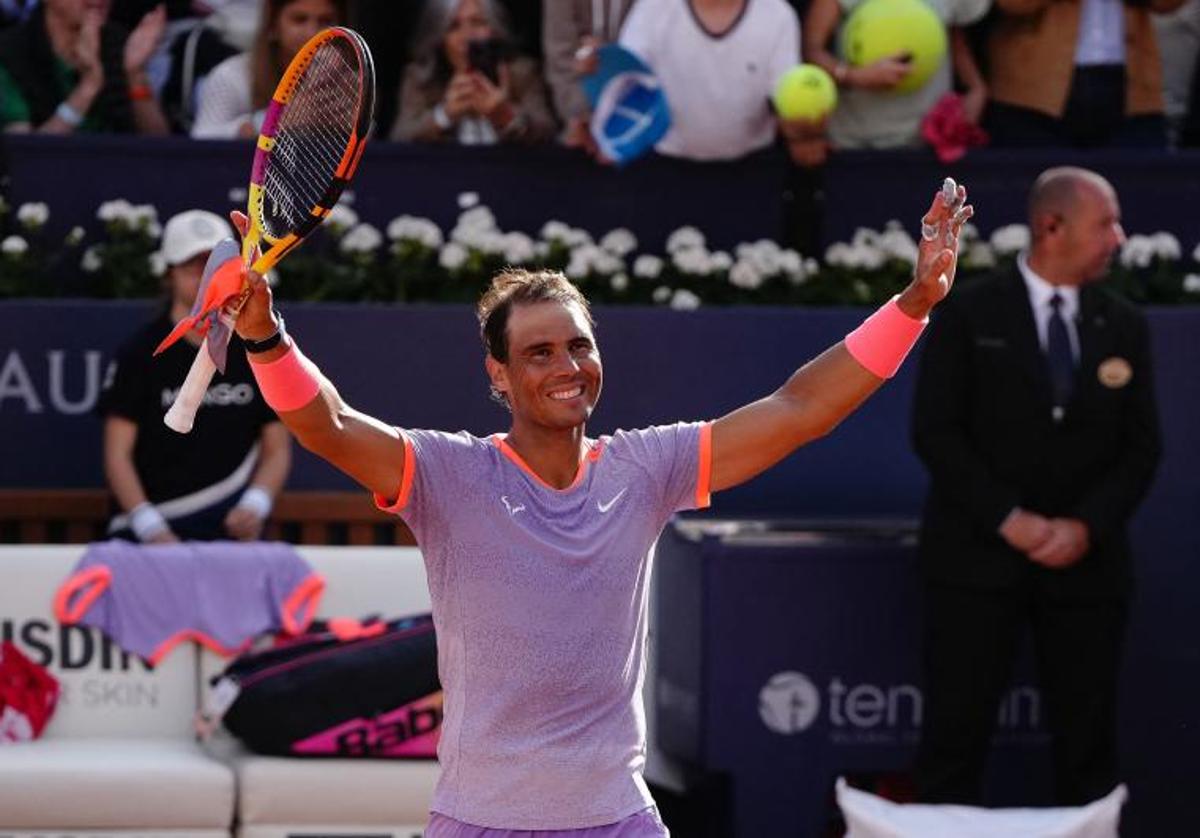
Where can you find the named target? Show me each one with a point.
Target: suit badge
(1114, 373)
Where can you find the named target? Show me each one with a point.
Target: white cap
(191, 233)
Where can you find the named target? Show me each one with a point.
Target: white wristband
(68, 114)
(146, 521)
(257, 500)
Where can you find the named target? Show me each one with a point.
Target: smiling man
(537, 541)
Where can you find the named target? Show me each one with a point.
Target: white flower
(969, 233)
(118, 210)
(619, 283)
(685, 238)
(577, 237)
(237, 194)
(684, 300)
(554, 231)
(860, 256)
(90, 261)
(647, 267)
(363, 238)
(837, 255)
(518, 249)
(13, 246)
(791, 263)
(410, 228)
(158, 263)
(477, 218)
(32, 215)
(146, 217)
(897, 244)
(745, 275)
(1011, 238)
(490, 242)
(1138, 252)
(619, 242)
(1166, 246)
(720, 261)
(453, 256)
(347, 198)
(661, 294)
(587, 259)
(764, 254)
(542, 249)
(466, 200)
(692, 260)
(341, 218)
(75, 237)
(865, 236)
(978, 254)
(1191, 283)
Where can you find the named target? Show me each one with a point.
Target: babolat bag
(344, 689)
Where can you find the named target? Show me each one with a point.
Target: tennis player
(536, 541)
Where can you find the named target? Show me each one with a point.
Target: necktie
(1058, 354)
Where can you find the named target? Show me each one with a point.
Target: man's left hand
(243, 524)
(1067, 544)
(937, 253)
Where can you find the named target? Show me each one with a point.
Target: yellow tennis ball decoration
(884, 28)
(805, 91)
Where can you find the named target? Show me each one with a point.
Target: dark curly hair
(521, 287)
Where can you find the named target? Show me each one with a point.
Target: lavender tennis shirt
(540, 602)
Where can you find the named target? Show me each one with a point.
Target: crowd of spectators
(1068, 73)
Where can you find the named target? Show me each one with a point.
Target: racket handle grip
(182, 413)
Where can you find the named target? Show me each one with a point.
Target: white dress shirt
(1040, 292)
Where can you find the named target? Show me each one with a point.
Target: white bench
(119, 756)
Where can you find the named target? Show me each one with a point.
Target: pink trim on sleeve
(300, 607)
(704, 468)
(406, 480)
(90, 583)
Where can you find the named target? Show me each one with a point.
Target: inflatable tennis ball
(805, 91)
(883, 28)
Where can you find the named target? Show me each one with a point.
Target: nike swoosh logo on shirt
(604, 507)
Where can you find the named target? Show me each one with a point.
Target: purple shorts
(644, 824)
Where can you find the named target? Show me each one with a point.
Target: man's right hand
(1025, 531)
(257, 318)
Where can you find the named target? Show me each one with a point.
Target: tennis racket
(313, 135)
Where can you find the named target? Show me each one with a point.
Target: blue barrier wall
(731, 202)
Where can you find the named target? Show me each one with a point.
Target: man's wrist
(146, 521)
(257, 500)
(441, 118)
(266, 340)
(912, 302)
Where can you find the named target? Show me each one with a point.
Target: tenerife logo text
(875, 714)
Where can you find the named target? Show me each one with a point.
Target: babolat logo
(67, 647)
(411, 730)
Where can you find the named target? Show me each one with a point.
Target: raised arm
(826, 390)
(363, 447)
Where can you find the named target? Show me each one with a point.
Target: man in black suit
(1035, 415)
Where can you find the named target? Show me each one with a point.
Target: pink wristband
(884, 339)
(289, 382)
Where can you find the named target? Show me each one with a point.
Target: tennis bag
(321, 695)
